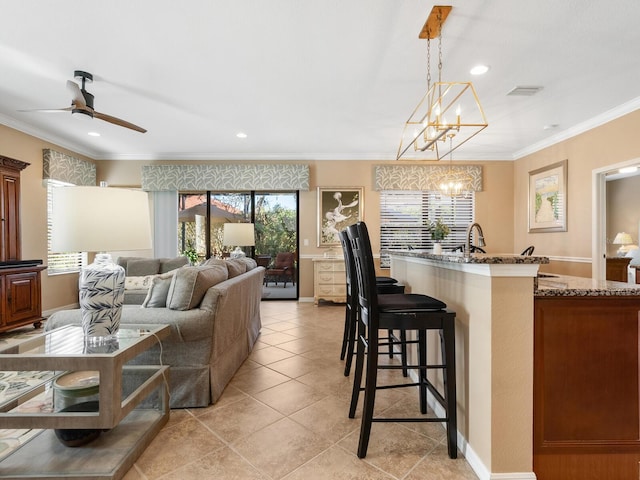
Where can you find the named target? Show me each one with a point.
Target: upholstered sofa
(214, 314)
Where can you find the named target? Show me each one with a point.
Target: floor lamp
(100, 219)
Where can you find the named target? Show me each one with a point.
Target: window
(58, 263)
(405, 215)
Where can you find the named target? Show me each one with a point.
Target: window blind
(58, 263)
(406, 215)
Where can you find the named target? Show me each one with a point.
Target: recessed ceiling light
(479, 70)
(241, 135)
(93, 134)
(551, 126)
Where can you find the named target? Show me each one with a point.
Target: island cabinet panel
(586, 388)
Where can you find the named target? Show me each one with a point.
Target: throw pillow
(143, 266)
(158, 291)
(249, 262)
(235, 266)
(214, 261)
(138, 283)
(168, 264)
(190, 284)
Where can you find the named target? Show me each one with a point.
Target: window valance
(423, 177)
(225, 177)
(65, 168)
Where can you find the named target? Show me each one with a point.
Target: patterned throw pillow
(138, 283)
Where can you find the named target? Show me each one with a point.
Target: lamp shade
(622, 238)
(239, 234)
(99, 219)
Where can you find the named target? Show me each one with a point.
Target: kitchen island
(495, 298)
(492, 296)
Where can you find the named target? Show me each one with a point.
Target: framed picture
(548, 198)
(338, 207)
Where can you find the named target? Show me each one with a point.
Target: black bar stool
(384, 285)
(399, 312)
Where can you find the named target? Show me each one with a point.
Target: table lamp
(626, 242)
(100, 219)
(240, 235)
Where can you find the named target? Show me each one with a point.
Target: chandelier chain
(428, 63)
(439, 46)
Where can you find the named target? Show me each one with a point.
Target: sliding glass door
(276, 224)
(202, 215)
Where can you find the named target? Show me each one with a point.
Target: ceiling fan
(82, 103)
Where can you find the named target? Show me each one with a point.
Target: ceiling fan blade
(118, 121)
(78, 97)
(49, 110)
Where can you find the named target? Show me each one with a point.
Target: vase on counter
(437, 248)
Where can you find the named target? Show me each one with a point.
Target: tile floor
(284, 416)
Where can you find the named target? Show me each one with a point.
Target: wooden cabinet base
(20, 294)
(586, 388)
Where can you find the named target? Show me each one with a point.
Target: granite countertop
(551, 285)
(458, 257)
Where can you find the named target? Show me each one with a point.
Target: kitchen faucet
(467, 245)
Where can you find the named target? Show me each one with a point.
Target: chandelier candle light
(100, 219)
(448, 111)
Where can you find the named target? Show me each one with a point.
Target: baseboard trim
(470, 455)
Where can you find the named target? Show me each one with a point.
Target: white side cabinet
(329, 280)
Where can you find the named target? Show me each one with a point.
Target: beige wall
(614, 142)
(501, 208)
(494, 205)
(59, 290)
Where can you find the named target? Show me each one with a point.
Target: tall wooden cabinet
(20, 288)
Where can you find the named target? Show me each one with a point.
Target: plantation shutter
(406, 215)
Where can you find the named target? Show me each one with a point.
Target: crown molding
(585, 126)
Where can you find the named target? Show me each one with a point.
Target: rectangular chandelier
(447, 116)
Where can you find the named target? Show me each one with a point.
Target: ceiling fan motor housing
(88, 97)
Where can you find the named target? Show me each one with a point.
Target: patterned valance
(424, 177)
(65, 168)
(225, 177)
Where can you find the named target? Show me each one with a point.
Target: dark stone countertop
(551, 285)
(458, 257)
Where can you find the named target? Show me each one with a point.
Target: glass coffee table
(131, 402)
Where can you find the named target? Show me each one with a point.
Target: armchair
(283, 269)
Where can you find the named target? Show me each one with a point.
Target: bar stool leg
(422, 372)
(449, 356)
(403, 352)
(345, 334)
(351, 339)
(369, 392)
(357, 374)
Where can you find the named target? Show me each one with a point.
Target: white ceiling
(324, 79)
